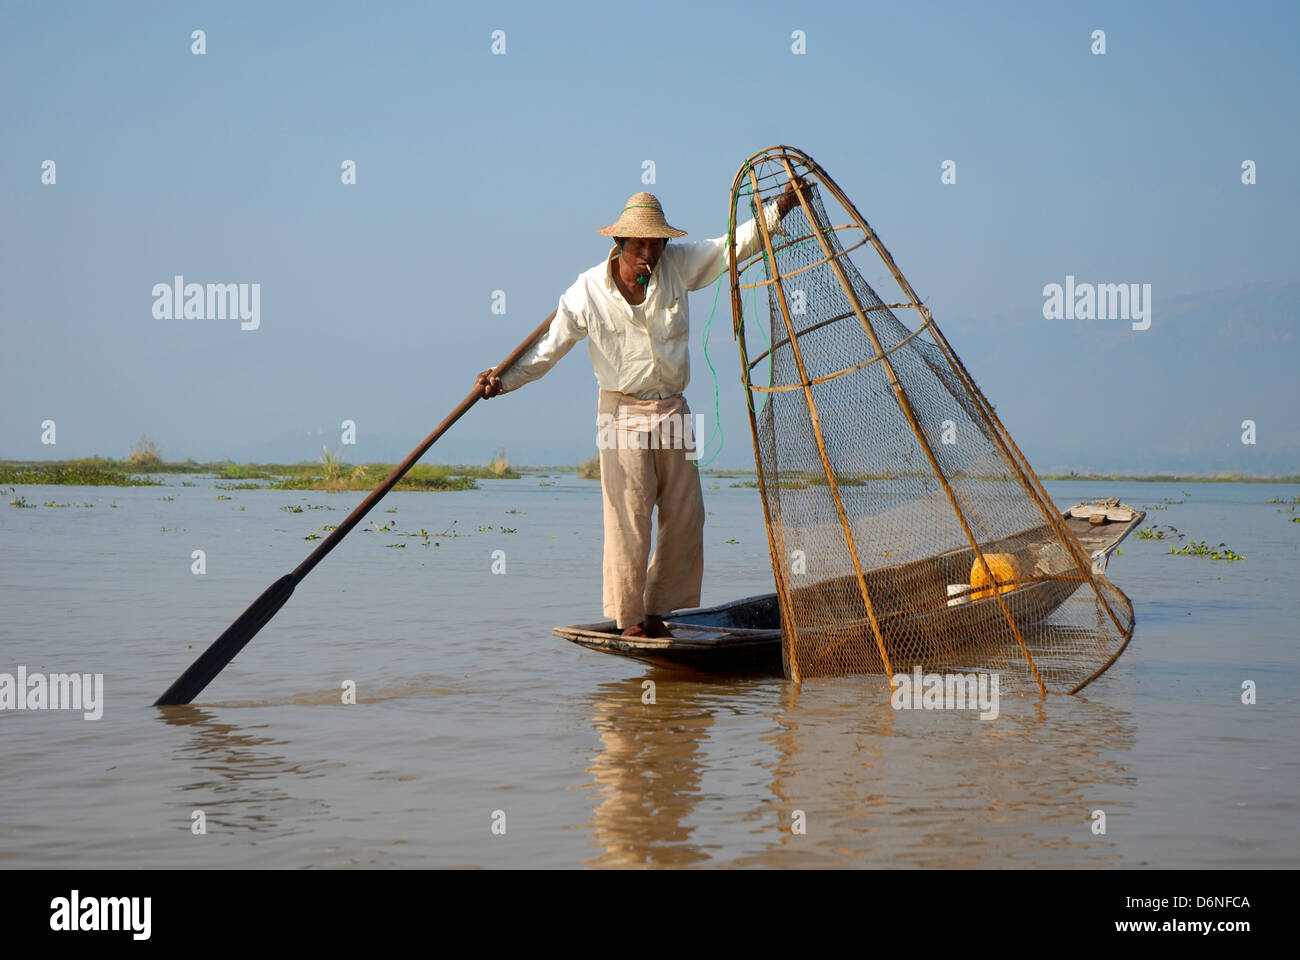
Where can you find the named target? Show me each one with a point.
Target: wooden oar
(214, 659)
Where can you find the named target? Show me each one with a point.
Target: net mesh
(906, 529)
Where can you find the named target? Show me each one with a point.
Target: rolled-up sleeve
(702, 260)
(567, 328)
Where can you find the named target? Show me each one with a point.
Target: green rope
(708, 327)
(753, 311)
(717, 399)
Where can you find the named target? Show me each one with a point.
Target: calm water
(467, 705)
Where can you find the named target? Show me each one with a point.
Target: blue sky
(478, 172)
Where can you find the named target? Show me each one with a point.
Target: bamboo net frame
(889, 484)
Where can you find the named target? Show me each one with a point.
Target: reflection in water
(647, 775)
(878, 787)
(809, 773)
(886, 787)
(238, 778)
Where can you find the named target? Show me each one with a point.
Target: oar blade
(214, 659)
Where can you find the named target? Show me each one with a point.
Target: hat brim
(639, 230)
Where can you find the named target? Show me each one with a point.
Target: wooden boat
(744, 636)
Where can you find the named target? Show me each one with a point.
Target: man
(632, 309)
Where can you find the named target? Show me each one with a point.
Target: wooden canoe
(744, 636)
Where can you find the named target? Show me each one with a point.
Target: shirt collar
(609, 271)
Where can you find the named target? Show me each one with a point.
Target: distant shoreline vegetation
(327, 474)
(331, 473)
(1173, 477)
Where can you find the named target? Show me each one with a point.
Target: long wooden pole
(214, 659)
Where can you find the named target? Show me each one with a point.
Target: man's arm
(568, 327)
(703, 260)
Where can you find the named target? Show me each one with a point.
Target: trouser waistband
(642, 397)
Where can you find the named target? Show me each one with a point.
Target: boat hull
(745, 635)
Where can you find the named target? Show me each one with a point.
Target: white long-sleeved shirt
(639, 350)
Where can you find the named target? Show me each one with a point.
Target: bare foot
(656, 628)
(636, 630)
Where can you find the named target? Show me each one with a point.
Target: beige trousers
(635, 478)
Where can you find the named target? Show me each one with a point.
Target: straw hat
(641, 217)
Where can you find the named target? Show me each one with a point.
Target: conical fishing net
(905, 526)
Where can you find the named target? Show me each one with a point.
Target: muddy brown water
(470, 713)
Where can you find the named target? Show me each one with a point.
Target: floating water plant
(1197, 548)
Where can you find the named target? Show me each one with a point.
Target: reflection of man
(632, 309)
(645, 779)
